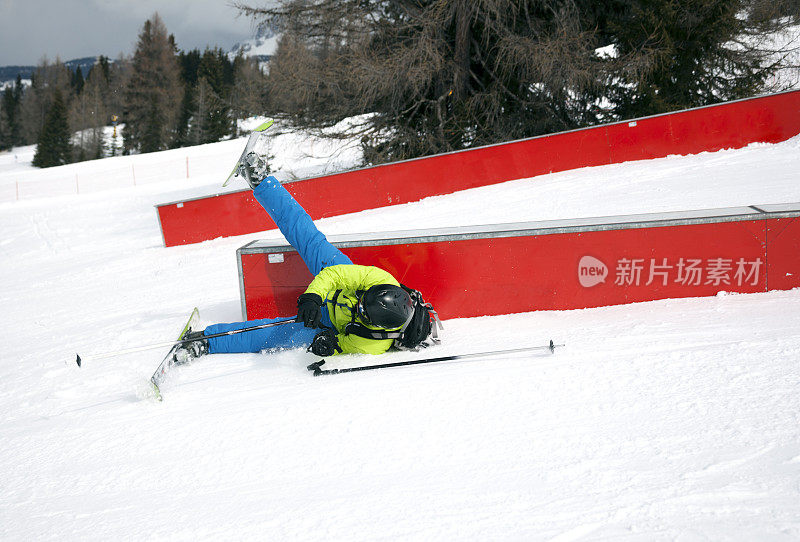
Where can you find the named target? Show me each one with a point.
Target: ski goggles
(362, 312)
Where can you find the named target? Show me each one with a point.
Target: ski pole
(105, 355)
(318, 370)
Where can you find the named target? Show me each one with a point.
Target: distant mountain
(263, 45)
(8, 74)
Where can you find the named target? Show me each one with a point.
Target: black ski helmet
(386, 306)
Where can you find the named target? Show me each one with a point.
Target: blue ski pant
(317, 253)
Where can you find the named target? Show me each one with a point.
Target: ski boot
(190, 350)
(253, 168)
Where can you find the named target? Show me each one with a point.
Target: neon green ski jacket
(350, 279)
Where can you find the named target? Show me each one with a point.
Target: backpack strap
(333, 302)
(436, 323)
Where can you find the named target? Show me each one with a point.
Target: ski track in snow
(669, 420)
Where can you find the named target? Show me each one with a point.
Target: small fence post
(133, 172)
(77, 186)
(187, 167)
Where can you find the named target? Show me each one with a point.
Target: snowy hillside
(676, 419)
(187, 171)
(263, 45)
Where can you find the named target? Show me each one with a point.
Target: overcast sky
(69, 29)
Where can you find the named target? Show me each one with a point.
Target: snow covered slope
(189, 171)
(676, 419)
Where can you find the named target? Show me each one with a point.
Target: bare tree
(438, 75)
(89, 113)
(38, 98)
(248, 97)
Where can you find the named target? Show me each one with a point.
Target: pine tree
(5, 130)
(185, 116)
(89, 114)
(102, 61)
(153, 92)
(189, 65)
(53, 147)
(151, 139)
(10, 106)
(16, 138)
(689, 53)
(213, 67)
(6, 114)
(212, 114)
(77, 80)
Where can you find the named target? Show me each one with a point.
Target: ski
(80, 360)
(319, 371)
(169, 359)
(251, 143)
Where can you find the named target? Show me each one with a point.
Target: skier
(347, 308)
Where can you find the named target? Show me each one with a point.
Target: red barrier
(768, 119)
(555, 265)
(783, 242)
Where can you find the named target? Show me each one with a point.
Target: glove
(325, 343)
(308, 309)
